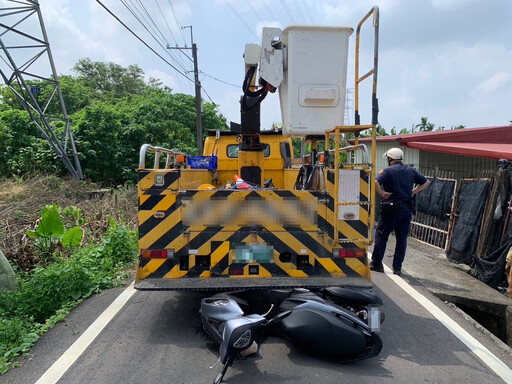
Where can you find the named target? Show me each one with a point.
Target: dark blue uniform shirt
(399, 179)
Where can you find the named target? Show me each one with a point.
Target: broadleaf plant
(73, 237)
(50, 231)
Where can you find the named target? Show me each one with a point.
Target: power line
(143, 42)
(172, 35)
(178, 62)
(299, 10)
(214, 105)
(287, 11)
(163, 59)
(142, 19)
(240, 18)
(254, 11)
(306, 6)
(143, 23)
(269, 11)
(155, 27)
(152, 21)
(166, 23)
(177, 22)
(219, 80)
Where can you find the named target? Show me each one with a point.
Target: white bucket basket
(312, 94)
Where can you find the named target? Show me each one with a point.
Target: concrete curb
(451, 283)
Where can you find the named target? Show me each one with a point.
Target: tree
(8, 100)
(112, 113)
(167, 119)
(22, 147)
(380, 131)
(211, 119)
(104, 154)
(77, 93)
(425, 125)
(110, 79)
(109, 135)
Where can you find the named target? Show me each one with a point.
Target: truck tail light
(157, 253)
(236, 271)
(349, 253)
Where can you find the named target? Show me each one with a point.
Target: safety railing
(368, 164)
(158, 151)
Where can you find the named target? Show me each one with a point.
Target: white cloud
(338, 12)
(268, 24)
(433, 61)
(164, 77)
(449, 3)
(495, 82)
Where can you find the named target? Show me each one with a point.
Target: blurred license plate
(374, 318)
(254, 254)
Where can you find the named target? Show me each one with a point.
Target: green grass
(47, 294)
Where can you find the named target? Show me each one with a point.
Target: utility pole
(199, 126)
(24, 51)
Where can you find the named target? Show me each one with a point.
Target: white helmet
(394, 154)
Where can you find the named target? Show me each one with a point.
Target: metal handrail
(337, 150)
(375, 104)
(375, 107)
(363, 148)
(158, 151)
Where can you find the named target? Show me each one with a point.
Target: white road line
(55, 372)
(474, 345)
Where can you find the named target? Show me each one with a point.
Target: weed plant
(47, 294)
(83, 205)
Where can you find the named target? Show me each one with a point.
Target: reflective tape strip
(308, 244)
(150, 267)
(331, 267)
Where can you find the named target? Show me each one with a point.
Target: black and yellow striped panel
(349, 230)
(204, 230)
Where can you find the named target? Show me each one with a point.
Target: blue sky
(449, 60)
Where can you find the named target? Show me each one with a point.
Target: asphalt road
(157, 338)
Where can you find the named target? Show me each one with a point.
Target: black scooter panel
(352, 296)
(325, 334)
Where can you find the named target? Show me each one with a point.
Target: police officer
(395, 185)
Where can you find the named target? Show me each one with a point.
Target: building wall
(411, 155)
(460, 166)
(430, 162)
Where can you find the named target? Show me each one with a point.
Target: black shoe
(376, 268)
(397, 272)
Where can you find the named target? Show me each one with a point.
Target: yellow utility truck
(248, 214)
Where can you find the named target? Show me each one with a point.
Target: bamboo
(487, 218)
(507, 221)
(453, 214)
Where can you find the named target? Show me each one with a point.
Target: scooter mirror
(238, 335)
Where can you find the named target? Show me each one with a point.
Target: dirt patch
(21, 202)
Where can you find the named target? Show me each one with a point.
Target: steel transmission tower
(24, 55)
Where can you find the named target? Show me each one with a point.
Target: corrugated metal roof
(487, 142)
(486, 150)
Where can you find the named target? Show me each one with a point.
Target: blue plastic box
(202, 162)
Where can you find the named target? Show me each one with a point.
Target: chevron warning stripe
(240, 234)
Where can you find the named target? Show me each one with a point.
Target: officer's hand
(385, 195)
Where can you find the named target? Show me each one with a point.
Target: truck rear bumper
(231, 283)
